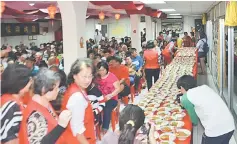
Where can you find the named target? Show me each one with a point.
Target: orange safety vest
(65, 138)
(89, 116)
(151, 59)
(166, 54)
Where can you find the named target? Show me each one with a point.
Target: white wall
(118, 29)
(15, 40)
(189, 21)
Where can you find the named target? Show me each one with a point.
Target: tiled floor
(198, 130)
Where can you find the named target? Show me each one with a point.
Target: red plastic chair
(132, 92)
(114, 118)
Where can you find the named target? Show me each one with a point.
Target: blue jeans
(222, 139)
(109, 106)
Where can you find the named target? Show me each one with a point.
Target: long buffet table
(173, 125)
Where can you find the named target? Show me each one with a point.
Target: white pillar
(135, 33)
(74, 25)
(148, 28)
(158, 26)
(188, 23)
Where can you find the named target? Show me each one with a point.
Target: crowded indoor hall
(118, 72)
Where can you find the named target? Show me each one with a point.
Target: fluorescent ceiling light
(174, 14)
(167, 10)
(31, 4)
(153, 2)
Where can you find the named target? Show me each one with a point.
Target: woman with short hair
(15, 83)
(109, 85)
(40, 122)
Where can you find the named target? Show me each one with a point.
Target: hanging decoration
(52, 11)
(117, 16)
(231, 14)
(101, 16)
(204, 18)
(2, 7)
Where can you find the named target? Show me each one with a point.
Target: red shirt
(121, 72)
(106, 85)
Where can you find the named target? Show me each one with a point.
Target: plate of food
(160, 123)
(166, 129)
(178, 116)
(166, 142)
(151, 104)
(163, 109)
(150, 109)
(163, 113)
(176, 109)
(168, 104)
(182, 134)
(178, 124)
(167, 137)
(168, 118)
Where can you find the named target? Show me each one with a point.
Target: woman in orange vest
(168, 51)
(75, 99)
(15, 83)
(152, 67)
(40, 123)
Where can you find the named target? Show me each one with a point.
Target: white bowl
(163, 109)
(178, 116)
(163, 114)
(177, 124)
(160, 123)
(181, 137)
(167, 136)
(167, 142)
(176, 109)
(167, 129)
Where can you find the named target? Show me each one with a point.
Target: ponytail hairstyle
(130, 120)
(77, 66)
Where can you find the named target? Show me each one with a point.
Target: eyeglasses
(88, 77)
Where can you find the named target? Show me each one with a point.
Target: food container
(163, 114)
(167, 137)
(167, 142)
(177, 124)
(163, 109)
(178, 116)
(182, 134)
(166, 129)
(176, 109)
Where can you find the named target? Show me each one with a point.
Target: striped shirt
(11, 117)
(97, 99)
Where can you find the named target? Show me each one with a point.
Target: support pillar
(148, 28)
(158, 27)
(73, 15)
(135, 33)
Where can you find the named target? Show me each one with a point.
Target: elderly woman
(76, 100)
(40, 123)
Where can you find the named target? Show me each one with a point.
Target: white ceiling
(185, 7)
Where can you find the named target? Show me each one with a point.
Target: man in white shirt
(204, 103)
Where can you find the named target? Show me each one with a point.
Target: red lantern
(101, 16)
(117, 16)
(2, 7)
(52, 11)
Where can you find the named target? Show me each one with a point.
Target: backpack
(205, 47)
